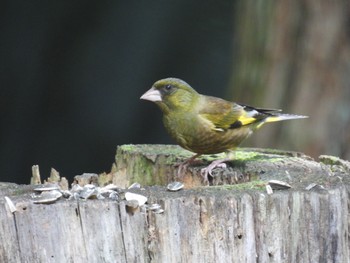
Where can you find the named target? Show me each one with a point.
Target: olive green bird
(204, 124)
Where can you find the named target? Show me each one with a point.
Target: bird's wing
(224, 115)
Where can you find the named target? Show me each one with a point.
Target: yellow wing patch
(246, 120)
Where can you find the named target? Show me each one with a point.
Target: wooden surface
(154, 165)
(237, 223)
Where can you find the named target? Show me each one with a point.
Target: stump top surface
(248, 165)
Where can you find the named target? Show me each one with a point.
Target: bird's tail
(283, 116)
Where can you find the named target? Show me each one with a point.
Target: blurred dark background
(72, 73)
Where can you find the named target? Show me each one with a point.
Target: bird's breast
(199, 136)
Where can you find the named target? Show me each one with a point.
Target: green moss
(142, 171)
(143, 164)
(175, 152)
(155, 149)
(330, 160)
(127, 147)
(245, 156)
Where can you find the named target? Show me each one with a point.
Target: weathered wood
(229, 223)
(204, 225)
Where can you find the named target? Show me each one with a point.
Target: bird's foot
(182, 167)
(209, 169)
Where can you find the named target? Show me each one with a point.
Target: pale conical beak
(152, 95)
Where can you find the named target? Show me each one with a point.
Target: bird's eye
(168, 87)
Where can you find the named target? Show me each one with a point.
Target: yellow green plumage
(205, 124)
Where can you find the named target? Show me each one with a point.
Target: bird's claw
(182, 167)
(209, 169)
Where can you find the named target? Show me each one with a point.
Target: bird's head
(171, 94)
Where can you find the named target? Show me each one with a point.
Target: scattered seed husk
(310, 186)
(89, 191)
(109, 187)
(175, 186)
(66, 193)
(141, 199)
(10, 204)
(269, 189)
(132, 204)
(76, 188)
(158, 211)
(46, 187)
(278, 185)
(48, 197)
(314, 186)
(135, 186)
(75, 196)
(153, 207)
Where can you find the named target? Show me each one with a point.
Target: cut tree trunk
(157, 164)
(217, 223)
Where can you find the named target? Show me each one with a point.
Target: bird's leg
(215, 164)
(184, 165)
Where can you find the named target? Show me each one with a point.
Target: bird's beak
(152, 95)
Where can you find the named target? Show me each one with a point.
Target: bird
(205, 124)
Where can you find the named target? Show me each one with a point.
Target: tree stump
(217, 223)
(156, 165)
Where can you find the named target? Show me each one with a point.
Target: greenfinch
(205, 124)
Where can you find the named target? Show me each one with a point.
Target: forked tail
(283, 116)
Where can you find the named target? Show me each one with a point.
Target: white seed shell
(135, 186)
(10, 204)
(310, 186)
(46, 188)
(278, 185)
(141, 199)
(269, 189)
(158, 211)
(175, 186)
(154, 207)
(48, 197)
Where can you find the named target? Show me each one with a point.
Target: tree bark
(295, 55)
